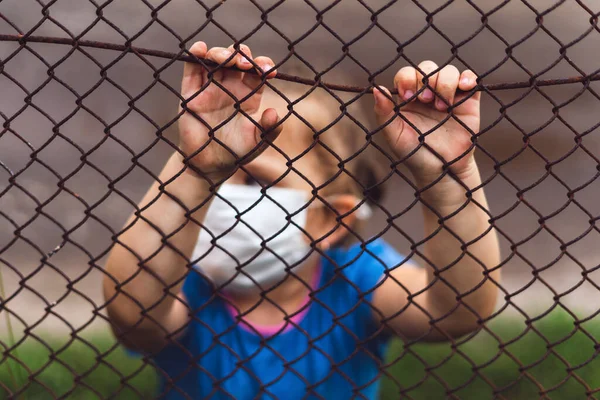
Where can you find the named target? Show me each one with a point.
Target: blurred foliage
(555, 354)
(88, 368)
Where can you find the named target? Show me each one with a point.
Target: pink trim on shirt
(270, 330)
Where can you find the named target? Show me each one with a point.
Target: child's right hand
(207, 109)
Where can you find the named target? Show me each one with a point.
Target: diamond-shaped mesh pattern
(89, 100)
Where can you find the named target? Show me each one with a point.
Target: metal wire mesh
(24, 44)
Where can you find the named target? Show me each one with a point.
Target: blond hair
(349, 162)
(352, 165)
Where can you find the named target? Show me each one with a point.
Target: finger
(192, 72)
(265, 64)
(406, 82)
(447, 83)
(240, 61)
(468, 81)
(222, 56)
(243, 60)
(426, 67)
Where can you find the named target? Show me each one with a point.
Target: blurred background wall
(559, 238)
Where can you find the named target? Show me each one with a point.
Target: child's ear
(337, 220)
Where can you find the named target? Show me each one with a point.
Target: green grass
(105, 371)
(108, 372)
(545, 357)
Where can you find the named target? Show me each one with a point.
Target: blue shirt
(333, 352)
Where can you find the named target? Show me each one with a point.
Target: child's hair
(350, 166)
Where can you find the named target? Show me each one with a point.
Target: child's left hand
(451, 139)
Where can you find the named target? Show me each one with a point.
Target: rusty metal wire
(282, 76)
(89, 206)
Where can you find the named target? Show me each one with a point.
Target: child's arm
(147, 266)
(459, 273)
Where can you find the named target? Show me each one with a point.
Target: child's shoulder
(197, 288)
(365, 262)
(375, 251)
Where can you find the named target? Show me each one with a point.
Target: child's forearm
(461, 266)
(149, 256)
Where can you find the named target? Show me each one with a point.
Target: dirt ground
(546, 209)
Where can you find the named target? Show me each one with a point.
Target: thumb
(271, 127)
(386, 115)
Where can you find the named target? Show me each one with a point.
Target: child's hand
(212, 106)
(450, 140)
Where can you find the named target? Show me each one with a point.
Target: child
(241, 273)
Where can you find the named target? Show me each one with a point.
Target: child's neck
(286, 299)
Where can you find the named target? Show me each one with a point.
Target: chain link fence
(90, 91)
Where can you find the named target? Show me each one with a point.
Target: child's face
(271, 166)
(294, 166)
(308, 170)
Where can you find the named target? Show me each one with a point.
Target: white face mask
(259, 247)
(239, 257)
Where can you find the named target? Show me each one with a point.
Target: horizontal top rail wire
(281, 76)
